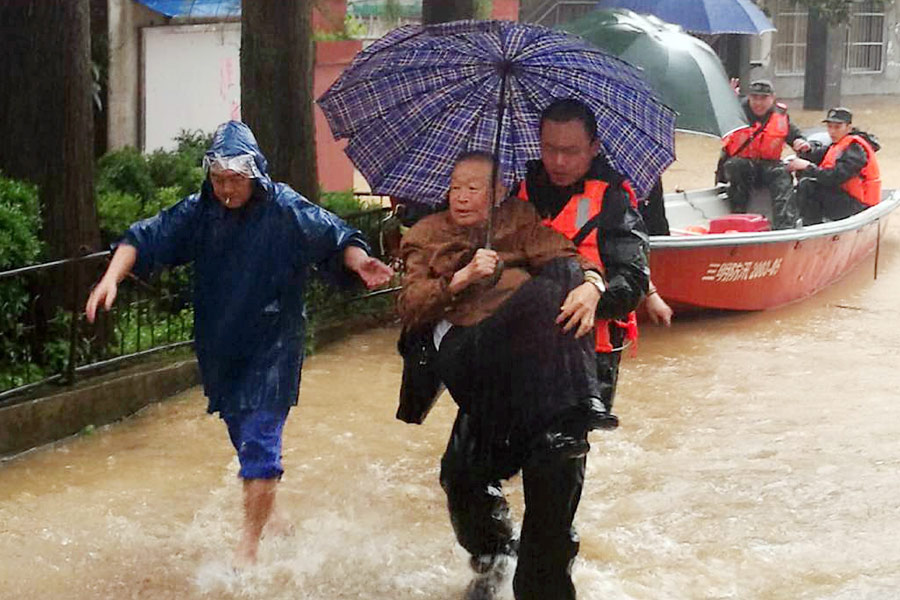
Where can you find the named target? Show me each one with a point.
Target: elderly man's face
(760, 103)
(232, 189)
(567, 151)
(836, 131)
(470, 190)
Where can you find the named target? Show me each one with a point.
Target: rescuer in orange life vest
(752, 155)
(577, 193)
(841, 179)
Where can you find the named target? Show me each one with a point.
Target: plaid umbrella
(417, 98)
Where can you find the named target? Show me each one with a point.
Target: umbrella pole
(495, 171)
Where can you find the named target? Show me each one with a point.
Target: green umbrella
(685, 71)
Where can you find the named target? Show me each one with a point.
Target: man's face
(838, 130)
(232, 189)
(761, 103)
(470, 189)
(566, 151)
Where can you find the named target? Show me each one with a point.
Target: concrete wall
(37, 422)
(126, 18)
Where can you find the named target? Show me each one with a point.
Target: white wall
(191, 79)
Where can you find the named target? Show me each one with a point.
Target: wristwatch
(594, 278)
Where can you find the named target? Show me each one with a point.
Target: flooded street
(758, 457)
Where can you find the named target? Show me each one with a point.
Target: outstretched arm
(104, 294)
(372, 271)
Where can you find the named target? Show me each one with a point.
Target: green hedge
(132, 186)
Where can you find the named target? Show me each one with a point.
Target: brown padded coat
(435, 248)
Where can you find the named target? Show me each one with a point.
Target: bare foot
(245, 553)
(279, 526)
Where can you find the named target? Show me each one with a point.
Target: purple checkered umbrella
(413, 101)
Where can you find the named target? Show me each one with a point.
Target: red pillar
(506, 9)
(335, 169)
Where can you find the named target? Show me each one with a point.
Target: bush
(125, 171)
(116, 211)
(132, 186)
(175, 170)
(20, 224)
(193, 144)
(344, 203)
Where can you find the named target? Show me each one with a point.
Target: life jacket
(580, 209)
(865, 186)
(765, 146)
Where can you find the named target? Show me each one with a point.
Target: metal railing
(45, 338)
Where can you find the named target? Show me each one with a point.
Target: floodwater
(758, 457)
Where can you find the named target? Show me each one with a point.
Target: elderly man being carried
(515, 353)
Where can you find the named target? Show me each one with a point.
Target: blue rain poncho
(250, 270)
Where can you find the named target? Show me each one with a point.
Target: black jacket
(848, 164)
(622, 237)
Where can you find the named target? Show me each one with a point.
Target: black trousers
(818, 202)
(480, 514)
(608, 368)
(521, 385)
(744, 174)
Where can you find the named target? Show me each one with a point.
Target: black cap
(838, 115)
(762, 87)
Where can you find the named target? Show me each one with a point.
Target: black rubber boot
(491, 571)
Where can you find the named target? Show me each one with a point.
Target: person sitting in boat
(751, 156)
(841, 179)
(520, 368)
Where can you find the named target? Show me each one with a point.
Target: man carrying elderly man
(519, 364)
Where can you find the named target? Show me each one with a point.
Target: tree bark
(442, 11)
(46, 115)
(824, 62)
(277, 57)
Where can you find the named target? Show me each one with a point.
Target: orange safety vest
(865, 186)
(765, 146)
(580, 209)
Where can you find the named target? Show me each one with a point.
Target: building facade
(870, 60)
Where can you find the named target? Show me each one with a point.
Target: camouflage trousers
(744, 174)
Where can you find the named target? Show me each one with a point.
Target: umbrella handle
(498, 271)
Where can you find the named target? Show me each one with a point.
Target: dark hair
(476, 155)
(569, 109)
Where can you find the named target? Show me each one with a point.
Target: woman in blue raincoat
(251, 242)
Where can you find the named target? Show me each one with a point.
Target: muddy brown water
(758, 457)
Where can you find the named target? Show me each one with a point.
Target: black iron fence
(45, 338)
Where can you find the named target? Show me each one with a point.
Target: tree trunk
(442, 11)
(277, 57)
(824, 62)
(46, 116)
(100, 60)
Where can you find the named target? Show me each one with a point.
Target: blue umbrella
(195, 8)
(702, 16)
(417, 98)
